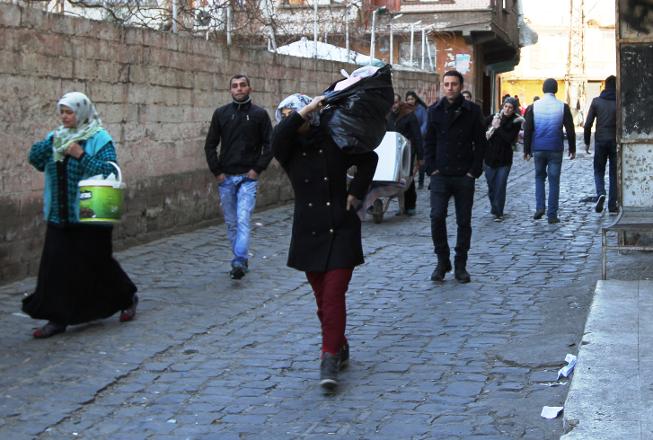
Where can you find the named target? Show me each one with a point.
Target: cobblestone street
(212, 358)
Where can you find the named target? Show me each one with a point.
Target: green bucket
(100, 200)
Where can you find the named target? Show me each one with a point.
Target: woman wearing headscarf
(326, 233)
(78, 279)
(502, 132)
(422, 118)
(402, 119)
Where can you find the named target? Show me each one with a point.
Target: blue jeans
(547, 165)
(461, 188)
(497, 181)
(604, 152)
(238, 198)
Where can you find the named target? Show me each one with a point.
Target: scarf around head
(88, 123)
(296, 102)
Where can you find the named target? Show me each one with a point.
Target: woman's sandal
(49, 329)
(130, 313)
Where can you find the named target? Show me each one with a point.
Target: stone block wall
(156, 93)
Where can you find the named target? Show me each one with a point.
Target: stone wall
(155, 93)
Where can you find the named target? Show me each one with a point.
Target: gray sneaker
(329, 368)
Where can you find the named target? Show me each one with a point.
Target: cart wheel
(377, 211)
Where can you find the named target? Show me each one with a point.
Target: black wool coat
(325, 235)
(499, 150)
(455, 141)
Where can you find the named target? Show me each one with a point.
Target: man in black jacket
(604, 110)
(453, 150)
(243, 131)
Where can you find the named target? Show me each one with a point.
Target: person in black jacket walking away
(604, 110)
(453, 151)
(503, 129)
(326, 231)
(242, 130)
(402, 119)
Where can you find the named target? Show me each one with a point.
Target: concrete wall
(156, 93)
(635, 99)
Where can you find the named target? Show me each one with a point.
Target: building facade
(576, 46)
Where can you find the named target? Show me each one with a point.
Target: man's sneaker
(344, 355)
(498, 218)
(329, 368)
(538, 214)
(553, 220)
(237, 272)
(462, 275)
(441, 269)
(599, 203)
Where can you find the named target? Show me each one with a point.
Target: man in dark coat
(326, 233)
(453, 151)
(604, 110)
(403, 120)
(242, 130)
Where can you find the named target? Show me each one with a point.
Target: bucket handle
(115, 165)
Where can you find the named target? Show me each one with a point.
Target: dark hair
(397, 95)
(456, 74)
(467, 92)
(536, 98)
(611, 82)
(418, 100)
(238, 76)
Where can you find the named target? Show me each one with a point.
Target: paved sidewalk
(612, 390)
(211, 358)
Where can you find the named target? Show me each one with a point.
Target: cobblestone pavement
(212, 358)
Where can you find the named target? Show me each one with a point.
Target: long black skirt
(79, 280)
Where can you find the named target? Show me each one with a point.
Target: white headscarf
(88, 122)
(297, 102)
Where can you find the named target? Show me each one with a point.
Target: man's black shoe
(538, 214)
(329, 368)
(440, 270)
(462, 275)
(599, 203)
(553, 220)
(613, 211)
(344, 355)
(237, 272)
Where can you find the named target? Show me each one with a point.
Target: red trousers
(329, 289)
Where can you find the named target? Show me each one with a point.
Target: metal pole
(174, 16)
(423, 46)
(412, 41)
(392, 49)
(428, 53)
(315, 26)
(347, 31)
(228, 25)
(372, 36)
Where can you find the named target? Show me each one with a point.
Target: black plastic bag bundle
(355, 116)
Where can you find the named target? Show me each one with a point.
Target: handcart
(392, 178)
